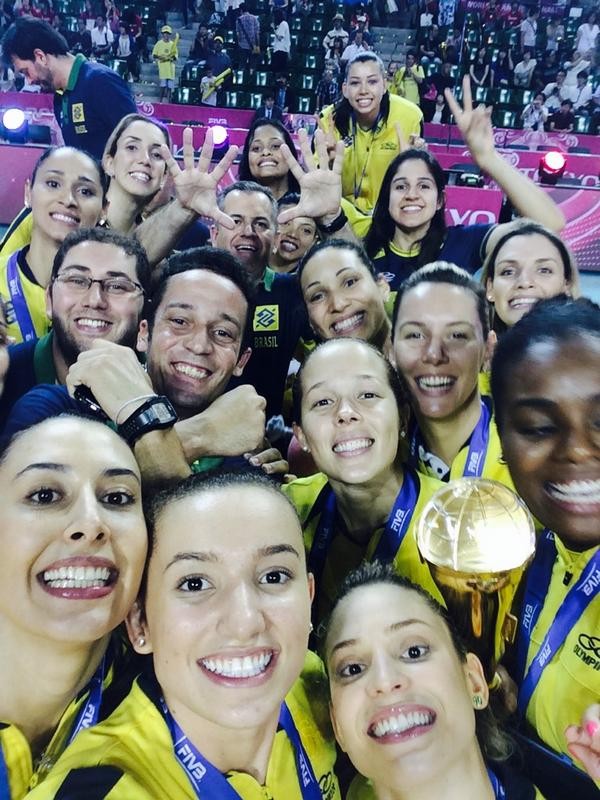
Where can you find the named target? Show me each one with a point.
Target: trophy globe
(477, 537)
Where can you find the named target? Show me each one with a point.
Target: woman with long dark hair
(262, 160)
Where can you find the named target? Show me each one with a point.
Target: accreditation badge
(266, 318)
(77, 114)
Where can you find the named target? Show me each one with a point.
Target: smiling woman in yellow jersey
(67, 191)
(364, 502)
(233, 706)
(72, 542)
(409, 704)
(546, 388)
(441, 341)
(366, 119)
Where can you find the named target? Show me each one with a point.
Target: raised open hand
(196, 187)
(320, 182)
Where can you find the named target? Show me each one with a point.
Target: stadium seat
(582, 124)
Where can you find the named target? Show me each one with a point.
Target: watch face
(163, 412)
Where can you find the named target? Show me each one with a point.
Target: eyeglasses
(114, 287)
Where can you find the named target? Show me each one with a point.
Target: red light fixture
(552, 167)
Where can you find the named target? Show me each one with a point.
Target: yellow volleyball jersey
(130, 755)
(344, 554)
(18, 233)
(369, 153)
(571, 681)
(34, 295)
(23, 774)
(493, 467)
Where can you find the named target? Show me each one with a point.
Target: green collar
(74, 74)
(268, 278)
(43, 360)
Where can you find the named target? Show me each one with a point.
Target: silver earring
(311, 628)
(141, 641)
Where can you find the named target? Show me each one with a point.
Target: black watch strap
(155, 414)
(335, 225)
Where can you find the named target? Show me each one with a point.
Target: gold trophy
(477, 537)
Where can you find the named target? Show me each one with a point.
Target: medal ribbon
(395, 529)
(499, 791)
(17, 297)
(571, 609)
(204, 775)
(478, 445)
(88, 716)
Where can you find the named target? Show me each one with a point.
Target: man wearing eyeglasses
(99, 280)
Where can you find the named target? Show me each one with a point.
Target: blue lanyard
(19, 304)
(499, 791)
(88, 716)
(395, 529)
(4, 783)
(478, 445)
(571, 609)
(90, 710)
(203, 775)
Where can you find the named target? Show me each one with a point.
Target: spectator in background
(587, 33)
(102, 38)
(59, 24)
(557, 91)
(582, 94)
(429, 45)
(247, 27)
(574, 67)
(528, 29)
(89, 14)
(360, 19)
(480, 72)
(134, 21)
(219, 62)
(555, 32)
(334, 56)
(7, 79)
(202, 46)
(282, 43)
(81, 40)
(268, 110)
(337, 32)
(446, 9)
(355, 48)
(535, 114)
(524, 71)
(549, 67)
(327, 90)
(125, 49)
(440, 112)
(408, 79)
(503, 68)
(595, 106)
(165, 54)
(514, 17)
(284, 96)
(563, 119)
(450, 47)
(442, 79)
(113, 16)
(208, 90)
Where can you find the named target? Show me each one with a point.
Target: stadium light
(552, 167)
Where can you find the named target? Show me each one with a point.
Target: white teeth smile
(351, 445)
(140, 176)
(401, 723)
(65, 218)
(93, 323)
(268, 163)
(247, 667)
(77, 577)
(192, 372)
(346, 324)
(411, 209)
(289, 247)
(523, 302)
(434, 382)
(576, 491)
(246, 247)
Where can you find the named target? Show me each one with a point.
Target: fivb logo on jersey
(398, 520)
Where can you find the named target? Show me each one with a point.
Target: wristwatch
(155, 414)
(336, 224)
